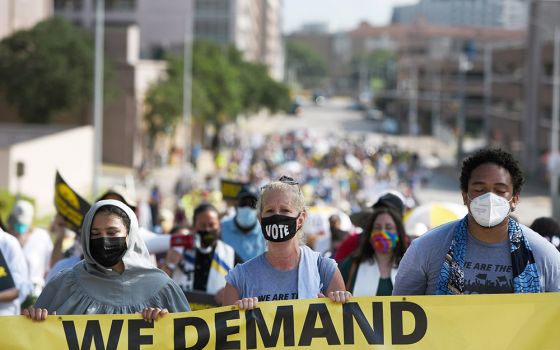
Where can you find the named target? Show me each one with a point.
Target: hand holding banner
(493, 321)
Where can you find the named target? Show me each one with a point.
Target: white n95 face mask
(489, 209)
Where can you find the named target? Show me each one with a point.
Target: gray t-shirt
(487, 266)
(258, 278)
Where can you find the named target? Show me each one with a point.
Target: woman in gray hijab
(116, 275)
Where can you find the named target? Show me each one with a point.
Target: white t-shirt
(37, 250)
(13, 254)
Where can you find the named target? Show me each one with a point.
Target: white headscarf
(90, 288)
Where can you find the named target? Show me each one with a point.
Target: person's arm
(9, 294)
(58, 227)
(18, 269)
(172, 259)
(411, 277)
(231, 297)
(337, 290)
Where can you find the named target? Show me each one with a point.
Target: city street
(335, 117)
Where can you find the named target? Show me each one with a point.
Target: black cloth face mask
(108, 251)
(279, 228)
(207, 238)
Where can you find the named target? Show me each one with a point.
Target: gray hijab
(90, 288)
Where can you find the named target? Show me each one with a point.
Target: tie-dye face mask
(383, 241)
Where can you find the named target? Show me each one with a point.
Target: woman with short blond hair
(289, 269)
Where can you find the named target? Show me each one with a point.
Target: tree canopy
(378, 67)
(47, 69)
(309, 66)
(223, 86)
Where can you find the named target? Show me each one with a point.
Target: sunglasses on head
(288, 180)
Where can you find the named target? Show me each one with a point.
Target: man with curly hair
(487, 251)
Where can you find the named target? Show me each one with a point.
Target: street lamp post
(98, 96)
(463, 68)
(488, 75)
(413, 100)
(187, 80)
(554, 169)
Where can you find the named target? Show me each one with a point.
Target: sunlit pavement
(334, 117)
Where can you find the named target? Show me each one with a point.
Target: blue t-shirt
(487, 266)
(258, 278)
(246, 244)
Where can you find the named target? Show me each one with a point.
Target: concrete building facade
(22, 14)
(252, 26)
(428, 72)
(43, 150)
(508, 14)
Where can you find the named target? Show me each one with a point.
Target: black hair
(546, 227)
(176, 229)
(113, 209)
(366, 251)
(202, 208)
(494, 156)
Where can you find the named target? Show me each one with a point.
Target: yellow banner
(420, 322)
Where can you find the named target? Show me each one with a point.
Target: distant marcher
(61, 234)
(36, 242)
(549, 229)
(203, 267)
(155, 202)
(392, 200)
(371, 270)
(63, 260)
(338, 235)
(116, 275)
(243, 231)
(289, 269)
(12, 295)
(486, 252)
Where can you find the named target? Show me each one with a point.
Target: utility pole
(413, 100)
(187, 79)
(532, 89)
(554, 169)
(488, 76)
(436, 101)
(463, 67)
(98, 96)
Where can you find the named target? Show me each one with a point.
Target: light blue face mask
(21, 228)
(246, 217)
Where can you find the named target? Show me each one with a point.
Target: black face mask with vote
(279, 228)
(107, 251)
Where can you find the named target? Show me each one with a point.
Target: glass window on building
(68, 5)
(119, 5)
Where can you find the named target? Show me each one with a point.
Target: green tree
(309, 66)
(218, 80)
(378, 67)
(223, 86)
(47, 69)
(258, 89)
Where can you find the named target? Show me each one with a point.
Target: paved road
(335, 117)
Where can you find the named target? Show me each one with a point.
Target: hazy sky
(339, 14)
